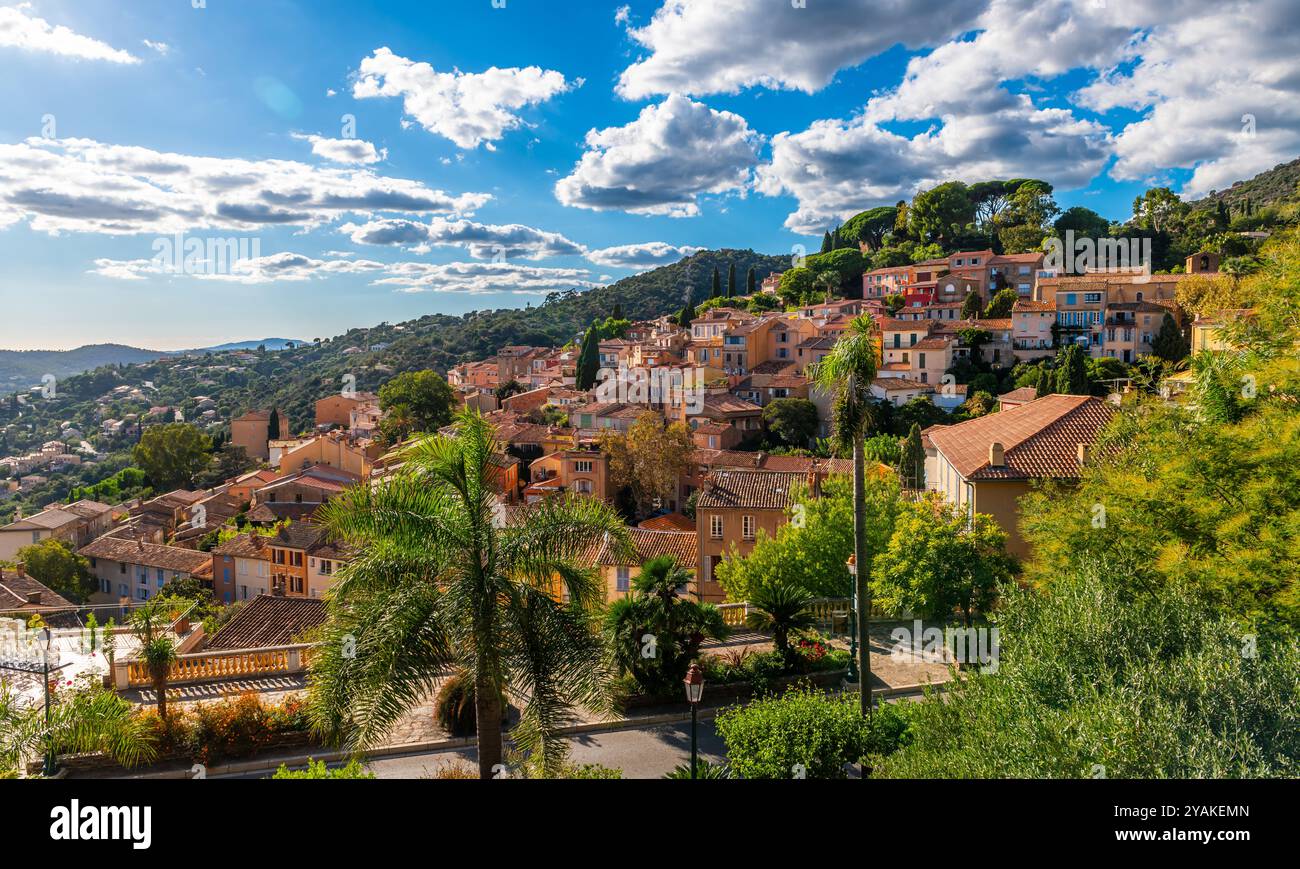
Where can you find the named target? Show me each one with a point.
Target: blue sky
(384, 175)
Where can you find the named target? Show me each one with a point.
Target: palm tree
(157, 650)
(80, 722)
(828, 283)
(846, 373)
(656, 632)
(444, 579)
(780, 609)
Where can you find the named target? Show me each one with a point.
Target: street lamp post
(48, 665)
(694, 691)
(852, 676)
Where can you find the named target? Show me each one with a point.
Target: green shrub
(316, 769)
(703, 770)
(803, 734)
(1094, 681)
(454, 706)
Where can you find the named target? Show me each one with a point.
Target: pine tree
(731, 281)
(589, 359)
(751, 282)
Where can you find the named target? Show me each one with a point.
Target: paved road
(648, 753)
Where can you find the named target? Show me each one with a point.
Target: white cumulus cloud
(483, 241)
(20, 29)
(641, 256)
(80, 185)
(470, 109)
(661, 163)
(345, 150)
(723, 46)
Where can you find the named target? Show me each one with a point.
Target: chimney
(997, 455)
(815, 480)
(1085, 454)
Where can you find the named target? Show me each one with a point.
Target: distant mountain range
(20, 369)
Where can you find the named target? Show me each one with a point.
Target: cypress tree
(1072, 372)
(731, 281)
(618, 311)
(1170, 344)
(687, 316)
(589, 359)
(273, 426)
(717, 283)
(1044, 380)
(751, 282)
(912, 464)
(827, 243)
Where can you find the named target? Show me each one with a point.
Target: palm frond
(557, 664)
(380, 653)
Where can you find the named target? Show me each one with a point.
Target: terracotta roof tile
(126, 551)
(266, 622)
(647, 544)
(759, 490)
(17, 588)
(671, 522)
(1039, 439)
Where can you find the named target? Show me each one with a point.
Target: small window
(624, 579)
(715, 527)
(749, 527)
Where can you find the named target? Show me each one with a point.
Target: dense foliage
(1097, 681)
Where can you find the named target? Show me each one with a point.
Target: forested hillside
(20, 369)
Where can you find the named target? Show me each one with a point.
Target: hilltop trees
(941, 213)
(1083, 222)
(414, 403)
(171, 455)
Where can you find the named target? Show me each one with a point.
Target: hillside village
(997, 382)
(734, 481)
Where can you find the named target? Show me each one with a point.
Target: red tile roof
(20, 591)
(1040, 439)
(266, 622)
(757, 490)
(671, 522)
(647, 544)
(126, 551)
